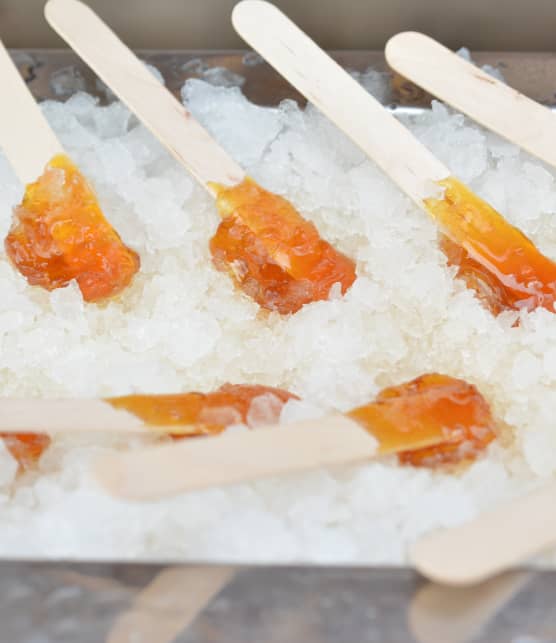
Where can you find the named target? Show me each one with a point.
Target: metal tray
(69, 602)
(59, 73)
(123, 603)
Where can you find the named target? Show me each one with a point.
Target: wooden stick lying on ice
(498, 253)
(199, 462)
(472, 91)
(247, 455)
(26, 138)
(136, 86)
(497, 540)
(330, 88)
(30, 415)
(431, 410)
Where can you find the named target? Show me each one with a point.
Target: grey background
(519, 25)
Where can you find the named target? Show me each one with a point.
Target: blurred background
(519, 25)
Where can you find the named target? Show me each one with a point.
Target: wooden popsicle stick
(234, 457)
(292, 53)
(67, 416)
(495, 541)
(472, 91)
(134, 84)
(26, 138)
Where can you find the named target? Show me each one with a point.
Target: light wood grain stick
(134, 84)
(26, 138)
(32, 415)
(232, 457)
(494, 542)
(471, 90)
(330, 88)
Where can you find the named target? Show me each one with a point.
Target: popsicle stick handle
(234, 457)
(134, 84)
(26, 138)
(308, 68)
(67, 416)
(472, 91)
(492, 543)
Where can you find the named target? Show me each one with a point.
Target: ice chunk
(526, 370)
(539, 448)
(222, 77)
(66, 81)
(264, 410)
(252, 58)
(376, 83)
(112, 121)
(464, 53)
(549, 362)
(297, 410)
(244, 129)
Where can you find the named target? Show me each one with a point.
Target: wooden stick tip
(53, 9)
(400, 42)
(435, 563)
(243, 9)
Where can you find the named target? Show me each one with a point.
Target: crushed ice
(182, 327)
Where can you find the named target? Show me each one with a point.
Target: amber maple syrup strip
(59, 234)
(450, 416)
(26, 138)
(275, 255)
(496, 255)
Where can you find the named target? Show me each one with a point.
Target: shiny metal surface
(96, 603)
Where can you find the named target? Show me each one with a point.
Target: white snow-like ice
(182, 326)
